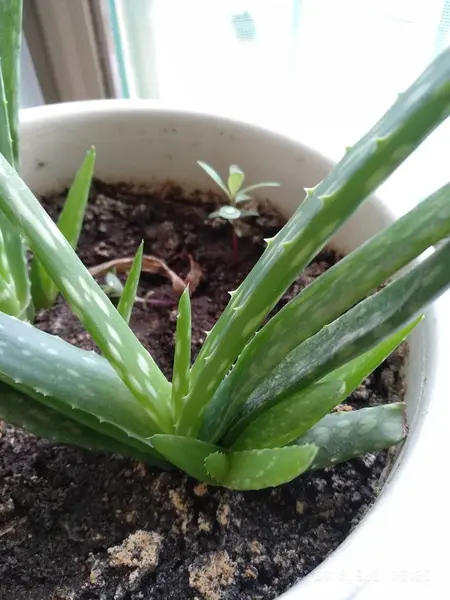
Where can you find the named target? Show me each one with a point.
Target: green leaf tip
(182, 359)
(342, 436)
(70, 223)
(129, 292)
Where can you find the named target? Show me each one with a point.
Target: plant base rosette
(86, 525)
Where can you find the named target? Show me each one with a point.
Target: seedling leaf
(215, 177)
(235, 180)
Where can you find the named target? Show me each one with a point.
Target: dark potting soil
(75, 525)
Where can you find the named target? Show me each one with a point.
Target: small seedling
(112, 285)
(236, 196)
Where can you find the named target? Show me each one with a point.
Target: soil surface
(75, 525)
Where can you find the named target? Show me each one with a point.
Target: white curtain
(323, 70)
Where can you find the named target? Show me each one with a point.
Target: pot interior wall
(146, 145)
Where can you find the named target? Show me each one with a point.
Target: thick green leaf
(182, 359)
(14, 283)
(368, 163)
(88, 301)
(357, 331)
(10, 43)
(215, 177)
(258, 469)
(5, 133)
(294, 415)
(235, 180)
(188, 454)
(76, 378)
(70, 222)
(128, 296)
(23, 411)
(289, 419)
(325, 299)
(342, 436)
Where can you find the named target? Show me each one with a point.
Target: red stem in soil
(235, 248)
(160, 302)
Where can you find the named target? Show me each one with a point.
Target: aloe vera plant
(21, 291)
(256, 407)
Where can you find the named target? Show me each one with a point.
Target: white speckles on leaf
(403, 151)
(376, 179)
(322, 435)
(113, 334)
(89, 359)
(176, 382)
(102, 304)
(135, 384)
(143, 364)
(252, 325)
(26, 352)
(72, 372)
(73, 294)
(114, 353)
(150, 389)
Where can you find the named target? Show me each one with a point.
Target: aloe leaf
(215, 177)
(5, 133)
(88, 301)
(258, 469)
(325, 299)
(294, 415)
(70, 222)
(10, 43)
(365, 166)
(89, 420)
(188, 454)
(341, 436)
(182, 360)
(14, 283)
(23, 411)
(357, 331)
(289, 419)
(76, 378)
(235, 180)
(128, 296)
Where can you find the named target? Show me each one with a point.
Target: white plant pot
(394, 550)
